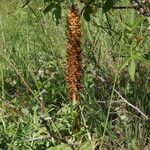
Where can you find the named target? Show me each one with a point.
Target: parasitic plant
(74, 58)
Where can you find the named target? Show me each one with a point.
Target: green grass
(32, 77)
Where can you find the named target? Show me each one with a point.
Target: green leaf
(60, 147)
(137, 22)
(57, 13)
(140, 58)
(108, 5)
(132, 70)
(131, 19)
(49, 8)
(86, 146)
(87, 12)
(125, 63)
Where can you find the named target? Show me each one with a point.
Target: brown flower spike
(74, 54)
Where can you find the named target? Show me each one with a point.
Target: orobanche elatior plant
(74, 57)
(77, 9)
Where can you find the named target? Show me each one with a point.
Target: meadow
(114, 104)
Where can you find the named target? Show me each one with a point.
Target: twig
(26, 3)
(52, 135)
(124, 100)
(122, 7)
(134, 107)
(39, 138)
